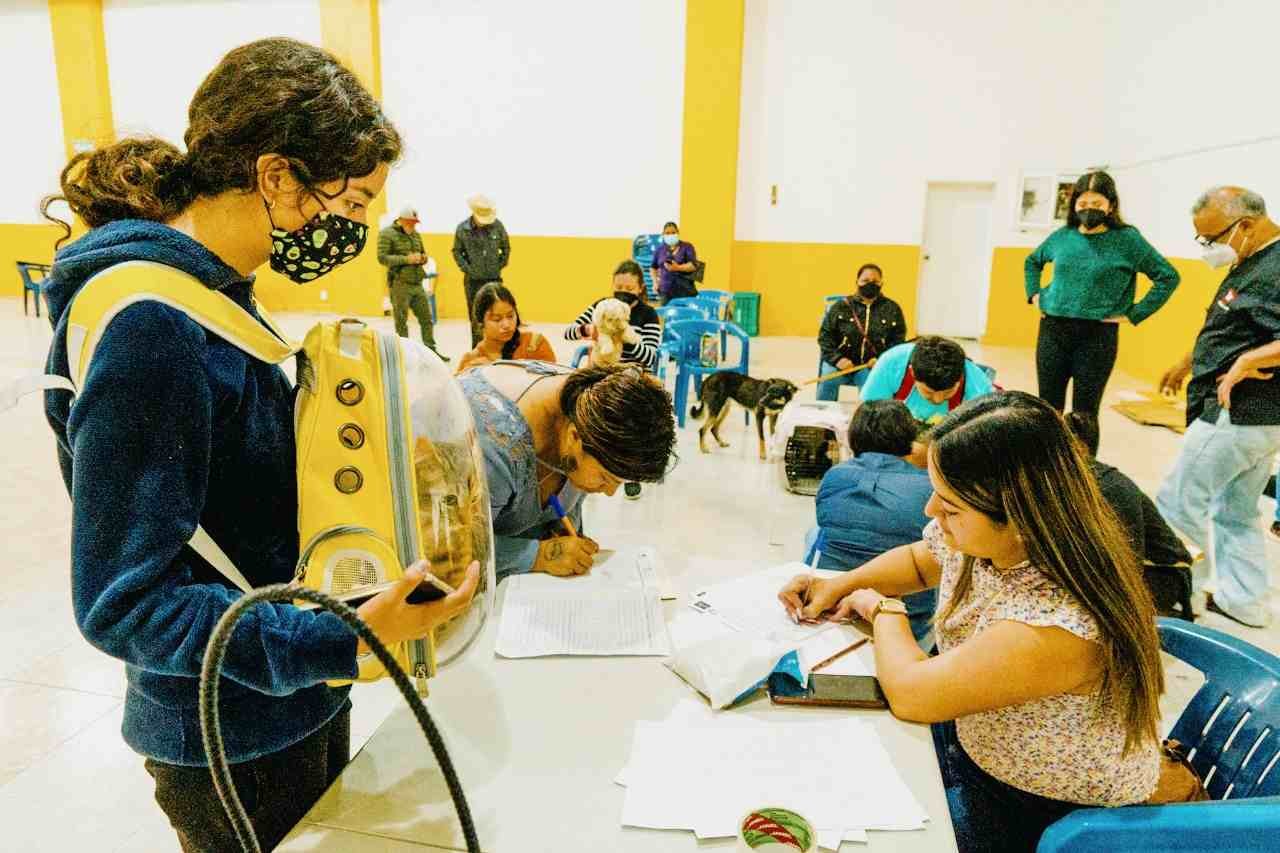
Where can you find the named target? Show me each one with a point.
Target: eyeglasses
(1206, 242)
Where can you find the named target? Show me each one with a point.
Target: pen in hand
(558, 508)
(813, 567)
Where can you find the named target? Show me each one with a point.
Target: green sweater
(1095, 275)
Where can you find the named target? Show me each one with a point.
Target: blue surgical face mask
(671, 239)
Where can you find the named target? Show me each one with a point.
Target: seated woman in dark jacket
(875, 501)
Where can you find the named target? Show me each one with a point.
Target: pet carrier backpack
(389, 470)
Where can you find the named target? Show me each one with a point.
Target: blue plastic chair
(643, 248)
(1231, 729)
(30, 285)
(689, 360)
(669, 349)
(674, 313)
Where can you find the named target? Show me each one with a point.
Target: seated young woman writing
(548, 431)
(501, 334)
(1049, 661)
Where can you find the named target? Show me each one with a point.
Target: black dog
(763, 396)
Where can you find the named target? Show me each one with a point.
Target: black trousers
(472, 287)
(276, 790)
(1082, 352)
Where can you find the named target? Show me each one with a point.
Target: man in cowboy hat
(481, 248)
(400, 251)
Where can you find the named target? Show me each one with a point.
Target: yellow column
(349, 29)
(80, 54)
(709, 157)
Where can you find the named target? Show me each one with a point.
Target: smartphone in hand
(431, 589)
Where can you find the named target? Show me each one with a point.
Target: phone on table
(431, 589)
(839, 691)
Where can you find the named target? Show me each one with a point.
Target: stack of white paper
(699, 773)
(738, 634)
(613, 610)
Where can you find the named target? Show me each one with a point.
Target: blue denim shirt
(520, 521)
(871, 504)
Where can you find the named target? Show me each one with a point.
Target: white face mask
(1218, 255)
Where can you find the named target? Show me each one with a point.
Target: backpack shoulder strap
(908, 382)
(111, 291)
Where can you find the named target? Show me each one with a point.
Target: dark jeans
(987, 814)
(1080, 351)
(406, 298)
(276, 790)
(472, 287)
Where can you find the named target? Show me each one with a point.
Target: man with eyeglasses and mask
(1233, 407)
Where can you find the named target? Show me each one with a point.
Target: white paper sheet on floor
(615, 609)
(702, 772)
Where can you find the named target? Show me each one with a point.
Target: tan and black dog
(766, 397)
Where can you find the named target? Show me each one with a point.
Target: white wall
(159, 51)
(1195, 76)
(32, 144)
(852, 107)
(568, 113)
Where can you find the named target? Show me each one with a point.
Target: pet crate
(809, 454)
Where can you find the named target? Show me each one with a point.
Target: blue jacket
(871, 504)
(172, 427)
(868, 505)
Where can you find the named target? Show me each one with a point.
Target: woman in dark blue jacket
(175, 427)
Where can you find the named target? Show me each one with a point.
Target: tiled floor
(67, 781)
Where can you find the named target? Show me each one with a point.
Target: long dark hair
(486, 298)
(1010, 457)
(1104, 185)
(625, 419)
(273, 96)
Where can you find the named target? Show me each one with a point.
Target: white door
(955, 260)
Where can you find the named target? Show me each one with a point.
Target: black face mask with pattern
(324, 242)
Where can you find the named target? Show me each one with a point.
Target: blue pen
(558, 508)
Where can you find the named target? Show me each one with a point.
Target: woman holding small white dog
(640, 346)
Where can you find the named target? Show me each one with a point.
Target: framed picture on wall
(1043, 199)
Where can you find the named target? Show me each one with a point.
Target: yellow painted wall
(709, 151)
(553, 279)
(80, 55)
(792, 279)
(1146, 351)
(23, 243)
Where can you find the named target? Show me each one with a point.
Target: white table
(537, 744)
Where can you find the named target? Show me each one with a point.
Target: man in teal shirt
(930, 374)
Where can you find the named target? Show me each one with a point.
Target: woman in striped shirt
(628, 286)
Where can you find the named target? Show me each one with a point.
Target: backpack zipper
(399, 464)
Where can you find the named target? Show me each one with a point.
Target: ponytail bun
(136, 178)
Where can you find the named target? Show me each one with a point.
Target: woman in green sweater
(1096, 259)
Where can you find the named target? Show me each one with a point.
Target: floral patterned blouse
(1066, 747)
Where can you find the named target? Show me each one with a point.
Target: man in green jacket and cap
(400, 250)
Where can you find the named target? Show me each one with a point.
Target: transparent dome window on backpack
(452, 495)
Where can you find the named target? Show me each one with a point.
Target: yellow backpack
(389, 469)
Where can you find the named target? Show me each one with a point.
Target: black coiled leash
(210, 724)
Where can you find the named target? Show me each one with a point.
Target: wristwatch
(887, 605)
